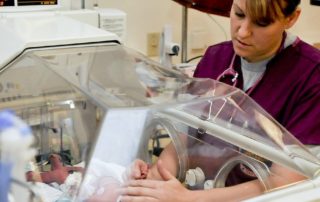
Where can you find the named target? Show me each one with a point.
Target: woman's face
(254, 42)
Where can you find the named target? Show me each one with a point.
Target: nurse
(277, 69)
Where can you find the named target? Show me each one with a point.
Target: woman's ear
(292, 19)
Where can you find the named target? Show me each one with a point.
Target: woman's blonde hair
(266, 12)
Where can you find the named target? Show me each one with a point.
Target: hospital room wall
(149, 16)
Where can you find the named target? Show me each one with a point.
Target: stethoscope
(234, 75)
(230, 71)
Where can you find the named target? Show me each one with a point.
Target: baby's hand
(137, 170)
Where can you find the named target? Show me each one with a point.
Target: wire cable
(194, 58)
(221, 28)
(219, 25)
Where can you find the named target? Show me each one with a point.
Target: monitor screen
(36, 2)
(28, 5)
(6, 2)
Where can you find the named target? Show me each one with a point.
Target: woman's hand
(136, 171)
(169, 190)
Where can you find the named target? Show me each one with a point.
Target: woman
(270, 61)
(278, 70)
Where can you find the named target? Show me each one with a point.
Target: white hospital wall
(146, 16)
(308, 26)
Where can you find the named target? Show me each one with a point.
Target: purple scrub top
(289, 89)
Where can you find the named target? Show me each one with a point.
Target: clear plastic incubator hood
(94, 108)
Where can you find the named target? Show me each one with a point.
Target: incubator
(94, 108)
